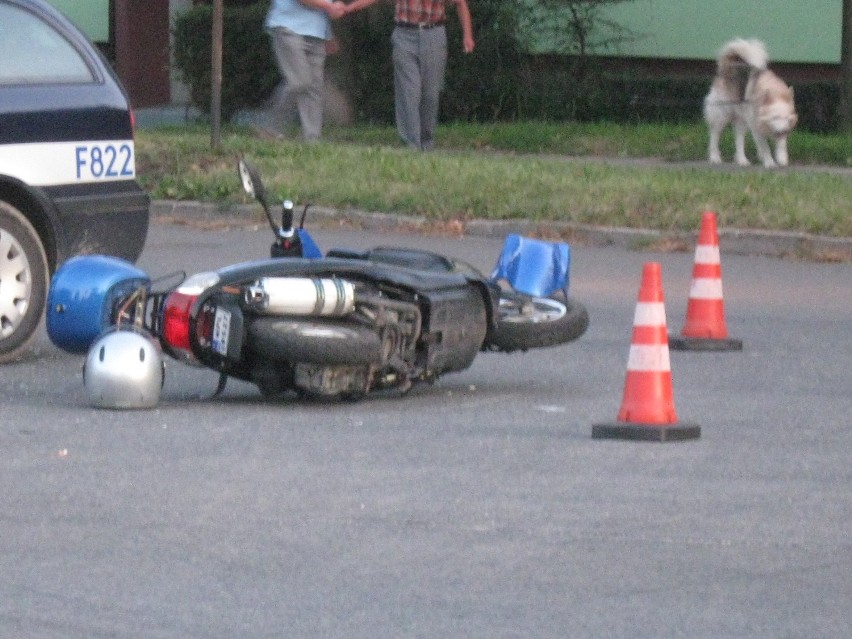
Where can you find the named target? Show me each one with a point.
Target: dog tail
(739, 52)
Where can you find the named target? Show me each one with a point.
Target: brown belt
(419, 25)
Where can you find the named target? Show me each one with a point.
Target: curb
(780, 244)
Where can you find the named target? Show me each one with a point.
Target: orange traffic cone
(705, 328)
(647, 410)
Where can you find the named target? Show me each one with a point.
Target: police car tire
(22, 258)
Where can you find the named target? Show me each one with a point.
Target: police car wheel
(23, 282)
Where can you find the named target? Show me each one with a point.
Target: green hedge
(249, 73)
(494, 83)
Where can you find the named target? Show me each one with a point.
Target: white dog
(746, 93)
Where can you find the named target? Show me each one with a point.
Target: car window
(33, 52)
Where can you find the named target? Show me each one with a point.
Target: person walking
(300, 32)
(419, 42)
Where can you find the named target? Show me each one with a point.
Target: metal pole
(216, 77)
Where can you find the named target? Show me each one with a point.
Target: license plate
(221, 331)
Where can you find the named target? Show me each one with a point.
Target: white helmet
(124, 369)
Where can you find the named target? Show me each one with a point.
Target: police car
(67, 162)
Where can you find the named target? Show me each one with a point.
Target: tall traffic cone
(705, 328)
(647, 410)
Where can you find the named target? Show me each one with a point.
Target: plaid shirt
(421, 11)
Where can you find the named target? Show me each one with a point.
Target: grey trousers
(419, 63)
(301, 60)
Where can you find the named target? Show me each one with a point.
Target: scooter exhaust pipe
(303, 296)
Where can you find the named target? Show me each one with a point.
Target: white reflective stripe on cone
(650, 314)
(707, 254)
(653, 358)
(706, 289)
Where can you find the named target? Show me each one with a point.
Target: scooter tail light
(176, 323)
(177, 313)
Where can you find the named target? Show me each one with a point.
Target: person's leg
(433, 69)
(293, 63)
(310, 102)
(406, 82)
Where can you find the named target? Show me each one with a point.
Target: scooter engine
(331, 380)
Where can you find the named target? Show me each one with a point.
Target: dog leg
(713, 154)
(781, 151)
(740, 129)
(763, 150)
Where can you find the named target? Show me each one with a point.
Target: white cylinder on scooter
(301, 296)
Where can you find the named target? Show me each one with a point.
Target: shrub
(366, 36)
(249, 73)
(483, 86)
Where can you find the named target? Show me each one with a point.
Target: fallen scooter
(344, 325)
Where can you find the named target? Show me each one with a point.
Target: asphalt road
(476, 507)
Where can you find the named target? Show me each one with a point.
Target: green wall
(793, 30)
(92, 16)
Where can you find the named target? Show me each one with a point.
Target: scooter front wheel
(526, 322)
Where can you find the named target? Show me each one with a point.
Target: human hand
(357, 5)
(336, 10)
(468, 44)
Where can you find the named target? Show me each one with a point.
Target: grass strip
(475, 175)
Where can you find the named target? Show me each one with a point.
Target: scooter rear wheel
(314, 341)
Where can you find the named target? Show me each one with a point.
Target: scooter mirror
(253, 186)
(252, 183)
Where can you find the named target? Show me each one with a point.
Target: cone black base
(647, 432)
(680, 343)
